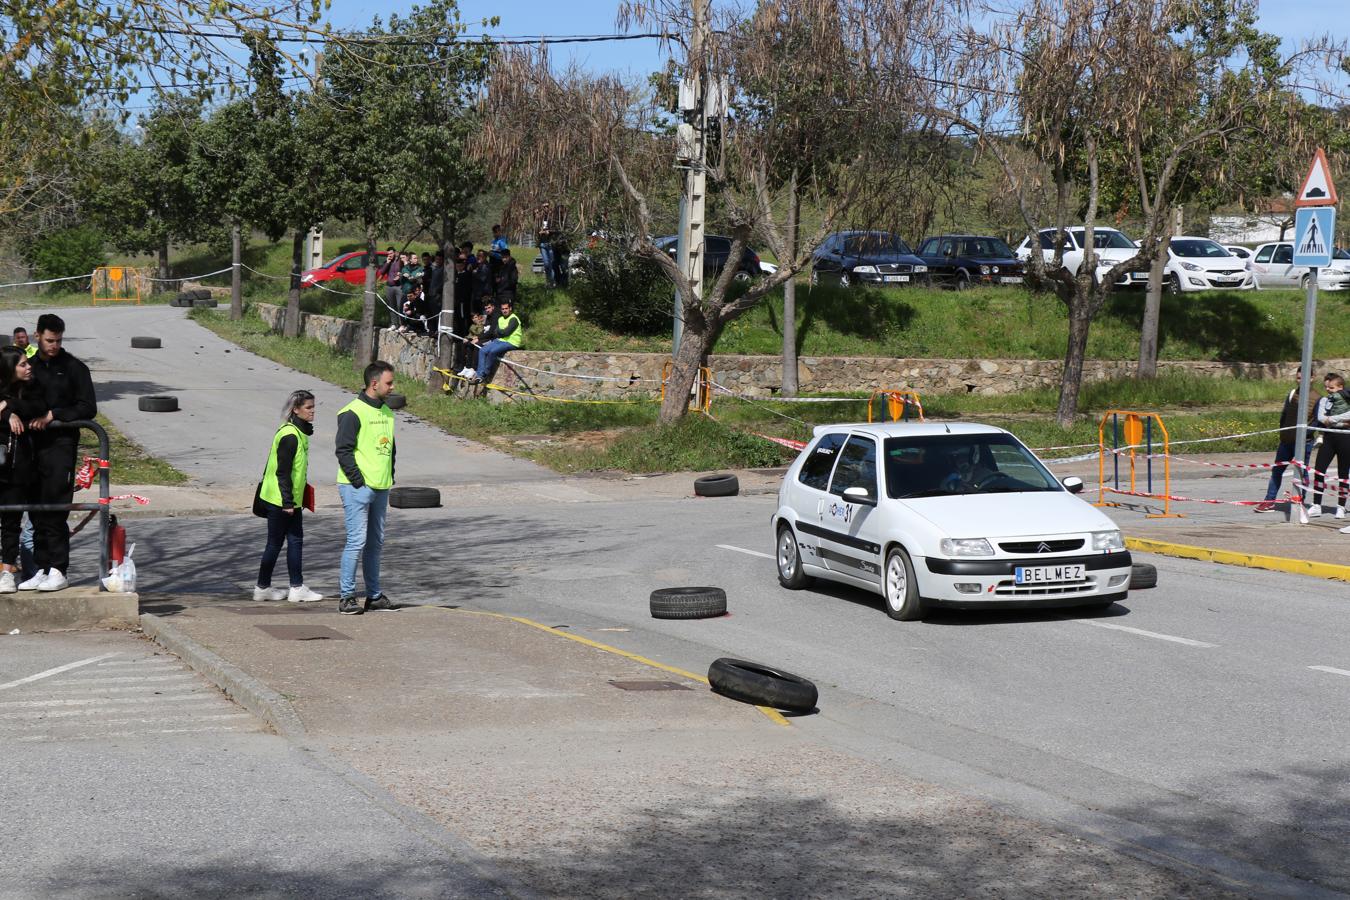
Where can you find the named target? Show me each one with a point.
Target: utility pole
(691, 152)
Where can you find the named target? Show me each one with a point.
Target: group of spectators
(415, 287)
(1331, 416)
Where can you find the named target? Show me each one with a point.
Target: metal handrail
(104, 492)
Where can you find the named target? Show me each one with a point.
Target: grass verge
(130, 463)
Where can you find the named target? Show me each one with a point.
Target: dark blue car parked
(963, 260)
(867, 257)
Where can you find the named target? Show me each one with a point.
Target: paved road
(230, 403)
(127, 775)
(1201, 721)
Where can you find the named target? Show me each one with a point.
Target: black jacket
(68, 390)
(27, 405)
(1289, 418)
(347, 428)
(433, 287)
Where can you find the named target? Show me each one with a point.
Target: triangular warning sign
(1317, 189)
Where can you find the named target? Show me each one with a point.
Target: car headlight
(1105, 263)
(994, 269)
(1190, 267)
(920, 268)
(1102, 541)
(966, 547)
(864, 270)
(984, 270)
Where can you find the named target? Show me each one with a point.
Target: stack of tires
(194, 297)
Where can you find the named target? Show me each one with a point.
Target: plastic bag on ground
(122, 577)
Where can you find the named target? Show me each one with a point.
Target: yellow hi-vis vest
(271, 488)
(516, 337)
(30, 351)
(374, 444)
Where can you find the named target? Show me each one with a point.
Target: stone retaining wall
(630, 374)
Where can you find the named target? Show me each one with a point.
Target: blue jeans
(283, 528)
(363, 510)
(1283, 455)
(27, 566)
(489, 355)
(546, 251)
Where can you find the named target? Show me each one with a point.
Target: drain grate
(303, 633)
(649, 686)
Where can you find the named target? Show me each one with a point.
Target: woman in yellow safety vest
(282, 493)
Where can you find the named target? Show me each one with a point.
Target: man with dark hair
(21, 341)
(365, 455)
(392, 273)
(508, 277)
(69, 392)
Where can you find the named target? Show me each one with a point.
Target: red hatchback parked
(349, 267)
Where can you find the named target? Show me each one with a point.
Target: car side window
(857, 467)
(929, 247)
(816, 470)
(356, 262)
(1265, 253)
(1284, 254)
(948, 248)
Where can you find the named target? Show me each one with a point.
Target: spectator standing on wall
(498, 243)
(392, 272)
(365, 455)
(544, 237)
(483, 284)
(508, 277)
(433, 288)
(282, 490)
(69, 391)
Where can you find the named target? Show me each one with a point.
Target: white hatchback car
(959, 515)
(1198, 264)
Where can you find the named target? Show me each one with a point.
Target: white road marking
(56, 671)
(201, 702)
(119, 679)
(222, 727)
(1333, 671)
(1142, 633)
(162, 690)
(86, 701)
(745, 551)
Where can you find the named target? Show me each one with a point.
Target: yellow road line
(773, 714)
(1237, 558)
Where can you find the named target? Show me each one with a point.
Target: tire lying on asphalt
(761, 685)
(722, 485)
(414, 497)
(688, 603)
(181, 301)
(157, 404)
(200, 294)
(1143, 575)
(207, 301)
(396, 401)
(145, 343)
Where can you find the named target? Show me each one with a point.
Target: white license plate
(893, 279)
(1046, 574)
(1011, 279)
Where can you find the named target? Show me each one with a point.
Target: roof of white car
(910, 429)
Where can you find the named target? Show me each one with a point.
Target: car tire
(145, 343)
(1304, 281)
(962, 283)
(182, 301)
(762, 685)
(1143, 576)
(788, 558)
(688, 603)
(205, 302)
(815, 277)
(414, 498)
(742, 276)
(1172, 286)
(844, 280)
(723, 485)
(200, 294)
(396, 401)
(898, 579)
(157, 404)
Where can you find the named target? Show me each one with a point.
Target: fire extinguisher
(117, 541)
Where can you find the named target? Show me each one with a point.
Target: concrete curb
(1238, 558)
(238, 685)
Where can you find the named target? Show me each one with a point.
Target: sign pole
(1304, 385)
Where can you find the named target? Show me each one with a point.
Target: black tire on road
(396, 401)
(688, 603)
(1143, 575)
(145, 343)
(181, 301)
(200, 294)
(414, 498)
(762, 685)
(207, 302)
(722, 485)
(157, 404)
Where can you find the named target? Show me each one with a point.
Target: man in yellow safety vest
(365, 455)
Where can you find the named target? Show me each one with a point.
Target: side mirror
(860, 496)
(1073, 484)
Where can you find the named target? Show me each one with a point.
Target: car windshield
(1103, 239)
(1195, 247)
(942, 465)
(334, 261)
(1339, 253)
(985, 248)
(873, 243)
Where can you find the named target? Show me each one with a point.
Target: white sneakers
(268, 593)
(1314, 511)
(1340, 512)
(303, 594)
(45, 580)
(467, 372)
(7, 583)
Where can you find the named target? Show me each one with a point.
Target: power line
(404, 41)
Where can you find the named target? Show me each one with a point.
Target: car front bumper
(1108, 578)
(1208, 281)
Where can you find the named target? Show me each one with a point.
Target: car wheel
(962, 283)
(1304, 281)
(902, 590)
(845, 280)
(160, 404)
(1143, 576)
(722, 485)
(145, 343)
(761, 685)
(414, 498)
(815, 278)
(790, 574)
(741, 276)
(687, 603)
(1173, 285)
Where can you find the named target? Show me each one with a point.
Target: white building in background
(1273, 221)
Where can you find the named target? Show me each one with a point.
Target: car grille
(1226, 273)
(894, 269)
(1061, 546)
(1011, 588)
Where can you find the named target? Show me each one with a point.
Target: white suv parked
(1111, 246)
(1272, 266)
(1198, 264)
(959, 515)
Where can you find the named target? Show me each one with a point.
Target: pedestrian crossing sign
(1314, 235)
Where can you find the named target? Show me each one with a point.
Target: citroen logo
(1042, 547)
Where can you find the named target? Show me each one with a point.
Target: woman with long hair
(21, 401)
(283, 493)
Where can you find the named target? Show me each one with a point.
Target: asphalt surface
(127, 775)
